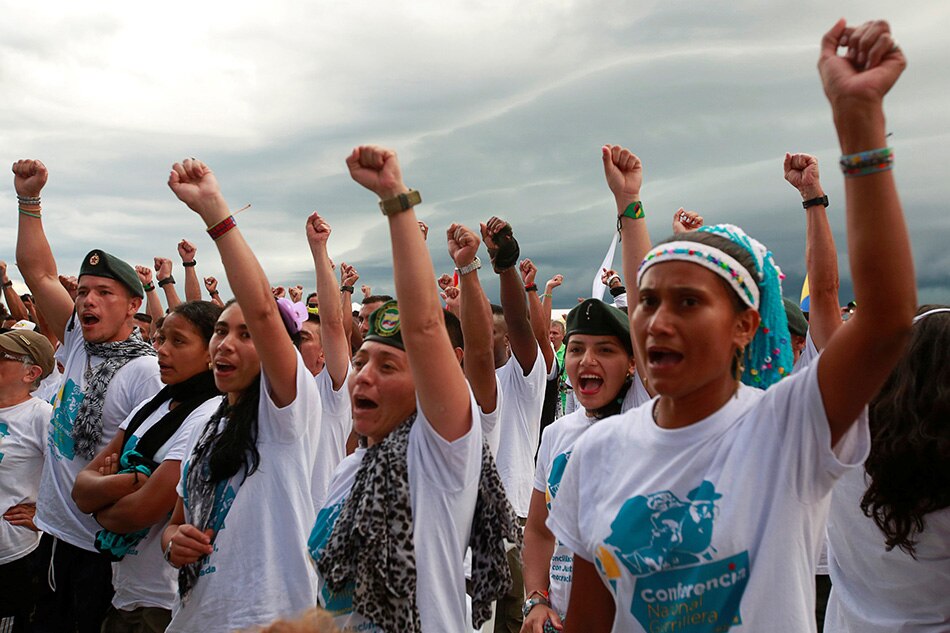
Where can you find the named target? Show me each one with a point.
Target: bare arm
(187, 252)
(624, 173)
(547, 299)
(188, 542)
(536, 313)
(440, 385)
(475, 317)
(33, 254)
(148, 505)
(591, 606)
(521, 337)
(538, 549)
(163, 270)
(195, 185)
(821, 259)
(153, 303)
(18, 311)
(336, 345)
(98, 486)
(348, 278)
(884, 287)
(211, 285)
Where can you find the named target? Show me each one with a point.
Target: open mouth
(222, 369)
(589, 384)
(88, 320)
(361, 403)
(659, 357)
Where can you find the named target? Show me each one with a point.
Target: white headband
(710, 257)
(929, 312)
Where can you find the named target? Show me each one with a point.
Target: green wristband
(634, 210)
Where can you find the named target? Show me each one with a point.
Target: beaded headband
(708, 257)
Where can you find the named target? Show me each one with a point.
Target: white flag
(598, 288)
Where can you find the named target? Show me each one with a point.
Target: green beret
(797, 324)
(101, 264)
(384, 326)
(596, 318)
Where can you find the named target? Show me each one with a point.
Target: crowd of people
(694, 454)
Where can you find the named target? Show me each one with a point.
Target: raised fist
(348, 275)
(425, 229)
(187, 251)
(451, 296)
(624, 173)
(144, 273)
(528, 271)
(367, 291)
(195, 185)
(211, 284)
(163, 267)
(444, 281)
(555, 281)
(279, 292)
(29, 177)
(684, 221)
(3, 271)
(866, 72)
(801, 172)
(318, 230)
(377, 169)
(296, 293)
(71, 284)
(463, 244)
(501, 244)
(610, 278)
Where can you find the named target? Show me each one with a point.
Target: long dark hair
(909, 462)
(236, 446)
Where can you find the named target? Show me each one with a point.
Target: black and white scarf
(87, 429)
(207, 502)
(377, 518)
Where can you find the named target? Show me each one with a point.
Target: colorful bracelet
(866, 163)
(190, 264)
(28, 200)
(222, 227)
(633, 211)
(531, 288)
(29, 213)
(148, 287)
(546, 294)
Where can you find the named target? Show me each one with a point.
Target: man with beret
(107, 373)
(26, 357)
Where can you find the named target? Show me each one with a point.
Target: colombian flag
(806, 297)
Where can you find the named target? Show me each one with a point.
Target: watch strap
(814, 202)
(475, 264)
(400, 203)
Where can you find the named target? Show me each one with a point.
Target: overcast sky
(496, 108)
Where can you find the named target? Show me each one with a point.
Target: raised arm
(195, 185)
(624, 173)
(821, 259)
(33, 254)
(163, 273)
(187, 251)
(504, 252)
(440, 384)
(153, 303)
(539, 317)
(475, 317)
(348, 278)
(14, 302)
(882, 268)
(211, 285)
(336, 345)
(547, 298)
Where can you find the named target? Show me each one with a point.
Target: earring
(210, 365)
(737, 365)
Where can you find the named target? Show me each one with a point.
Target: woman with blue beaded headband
(713, 511)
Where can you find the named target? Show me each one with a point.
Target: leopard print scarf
(377, 518)
(87, 429)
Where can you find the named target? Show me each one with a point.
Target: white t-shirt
(557, 442)
(23, 429)
(143, 578)
(713, 524)
(49, 385)
(876, 591)
(259, 570)
(334, 430)
(520, 428)
(138, 380)
(491, 430)
(443, 488)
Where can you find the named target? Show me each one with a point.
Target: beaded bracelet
(866, 163)
(222, 227)
(28, 200)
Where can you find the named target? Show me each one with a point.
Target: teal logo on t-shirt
(4, 431)
(554, 479)
(64, 415)
(667, 543)
(339, 602)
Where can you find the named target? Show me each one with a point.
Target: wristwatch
(531, 603)
(400, 203)
(473, 265)
(167, 554)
